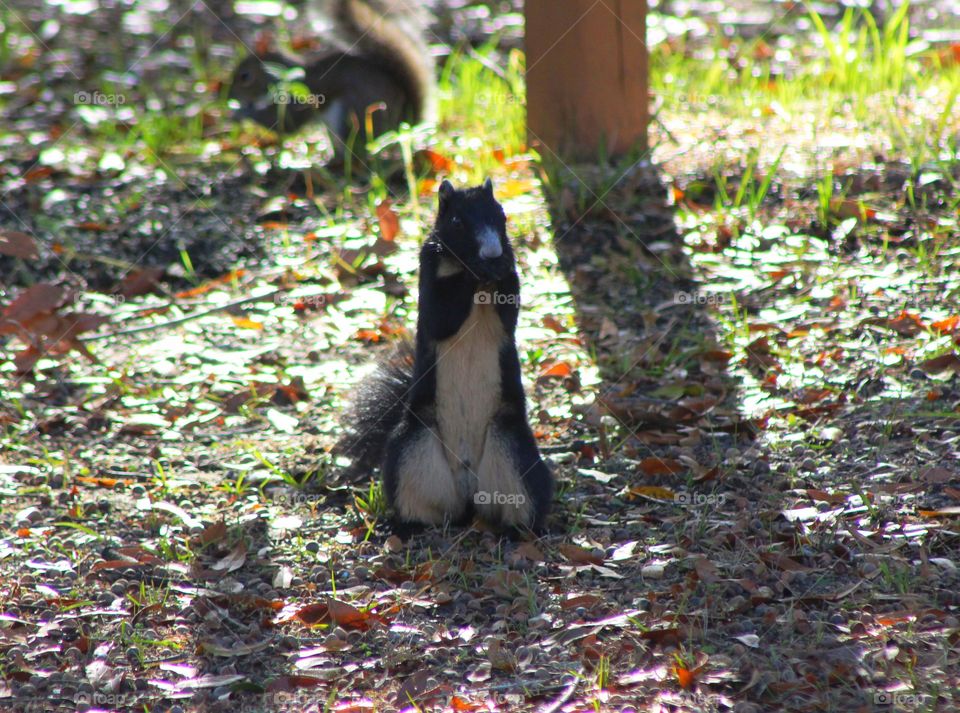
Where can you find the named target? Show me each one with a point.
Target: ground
(740, 351)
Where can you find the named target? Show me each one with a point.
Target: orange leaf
(561, 369)
(232, 276)
(660, 466)
(823, 496)
(348, 616)
(809, 396)
(370, 336)
(579, 555)
(588, 601)
(652, 491)
(438, 162)
(115, 564)
(459, 704)
(685, 677)
(906, 323)
(946, 326)
(952, 511)
(103, 482)
(388, 219)
(93, 226)
(245, 323)
(551, 322)
(289, 683)
(313, 613)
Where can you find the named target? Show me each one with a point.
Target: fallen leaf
(706, 570)
(951, 511)
(245, 323)
(781, 561)
(560, 370)
(946, 326)
(652, 491)
(579, 555)
(941, 363)
(660, 466)
(388, 219)
(233, 560)
(551, 322)
(17, 244)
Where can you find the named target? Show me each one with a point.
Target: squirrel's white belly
(468, 391)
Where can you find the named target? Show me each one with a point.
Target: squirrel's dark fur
(385, 68)
(459, 443)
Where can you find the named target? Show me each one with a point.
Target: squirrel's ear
(488, 186)
(446, 191)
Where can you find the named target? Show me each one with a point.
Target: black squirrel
(445, 419)
(385, 70)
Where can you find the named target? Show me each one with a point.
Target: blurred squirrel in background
(380, 75)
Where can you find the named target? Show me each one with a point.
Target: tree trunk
(586, 77)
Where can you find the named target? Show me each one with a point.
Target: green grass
(874, 76)
(482, 95)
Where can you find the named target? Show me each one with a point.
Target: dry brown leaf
(706, 570)
(579, 555)
(389, 221)
(660, 466)
(942, 363)
(781, 561)
(17, 244)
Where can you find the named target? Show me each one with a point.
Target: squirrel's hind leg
(515, 486)
(417, 478)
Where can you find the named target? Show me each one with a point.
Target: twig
(185, 318)
(563, 698)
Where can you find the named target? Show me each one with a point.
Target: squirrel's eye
(455, 220)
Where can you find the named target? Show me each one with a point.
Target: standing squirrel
(446, 420)
(385, 70)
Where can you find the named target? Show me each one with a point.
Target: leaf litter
(752, 417)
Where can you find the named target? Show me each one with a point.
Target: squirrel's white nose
(490, 246)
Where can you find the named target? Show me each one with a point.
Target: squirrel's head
(257, 90)
(472, 228)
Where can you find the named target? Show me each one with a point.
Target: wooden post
(586, 76)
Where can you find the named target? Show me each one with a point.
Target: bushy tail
(376, 408)
(393, 31)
